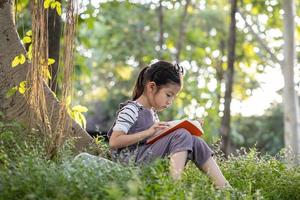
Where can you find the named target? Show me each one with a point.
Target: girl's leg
(177, 163)
(202, 157)
(211, 168)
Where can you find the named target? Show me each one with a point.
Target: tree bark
(182, 28)
(161, 28)
(225, 122)
(16, 107)
(54, 33)
(220, 72)
(290, 100)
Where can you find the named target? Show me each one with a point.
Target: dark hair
(160, 72)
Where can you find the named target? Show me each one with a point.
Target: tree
(290, 99)
(161, 28)
(54, 32)
(225, 123)
(16, 107)
(181, 31)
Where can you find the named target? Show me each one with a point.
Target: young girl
(155, 89)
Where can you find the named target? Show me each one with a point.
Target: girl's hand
(157, 126)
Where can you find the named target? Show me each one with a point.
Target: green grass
(25, 173)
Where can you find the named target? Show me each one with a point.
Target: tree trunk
(54, 33)
(181, 35)
(290, 100)
(220, 73)
(225, 123)
(161, 28)
(16, 107)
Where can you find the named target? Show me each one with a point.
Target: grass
(25, 173)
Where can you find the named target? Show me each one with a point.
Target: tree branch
(259, 39)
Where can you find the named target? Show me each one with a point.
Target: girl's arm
(120, 139)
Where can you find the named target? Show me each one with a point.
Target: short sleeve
(126, 118)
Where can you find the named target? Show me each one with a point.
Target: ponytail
(160, 72)
(139, 85)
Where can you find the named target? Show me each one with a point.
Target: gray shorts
(179, 140)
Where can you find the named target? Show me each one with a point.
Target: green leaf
(29, 33)
(53, 5)
(82, 120)
(76, 118)
(79, 118)
(29, 52)
(22, 87)
(80, 108)
(47, 3)
(26, 39)
(15, 61)
(11, 91)
(51, 61)
(58, 8)
(20, 59)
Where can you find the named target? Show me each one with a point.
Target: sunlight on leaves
(58, 8)
(29, 33)
(26, 39)
(124, 72)
(47, 3)
(18, 60)
(170, 44)
(29, 52)
(80, 108)
(190, 9)
(51, 61)
(22, 87)
(11, 91)
(247, 47)
(76, 114)
(53, 5)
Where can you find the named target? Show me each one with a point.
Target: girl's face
(163, 96)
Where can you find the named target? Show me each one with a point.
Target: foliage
(117, 38)
(264, 132)
(26, 174)
(104, 54)
(53, 5)
(111, 48)
(76, 114)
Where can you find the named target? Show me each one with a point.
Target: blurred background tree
(115, 39)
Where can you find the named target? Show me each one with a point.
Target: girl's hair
(160, 72)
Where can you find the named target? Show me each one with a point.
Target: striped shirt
(128, 116)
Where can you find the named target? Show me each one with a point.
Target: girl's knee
(183, 134)
(197, 141)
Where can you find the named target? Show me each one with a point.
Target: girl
(155, 89)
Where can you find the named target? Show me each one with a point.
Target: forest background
(115, 39)
(242, 77)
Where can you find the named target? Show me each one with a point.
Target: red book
(193, 127)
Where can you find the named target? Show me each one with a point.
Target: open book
(193, 127)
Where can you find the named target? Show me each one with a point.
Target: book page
(195, 122)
